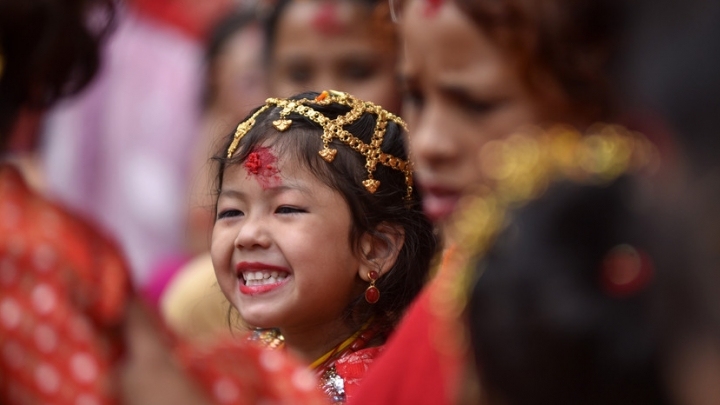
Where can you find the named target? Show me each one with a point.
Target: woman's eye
(289, 210)
(299, 74)
(359, 72)
(413, 99)
(481, 107)
(229, 213)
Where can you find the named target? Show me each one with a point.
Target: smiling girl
(320, 242)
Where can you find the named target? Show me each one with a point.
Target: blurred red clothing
(63, 289)
(65, 297)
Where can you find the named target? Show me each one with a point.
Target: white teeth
(261, 278)
(270, 279)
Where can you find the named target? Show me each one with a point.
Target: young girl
(319, 241)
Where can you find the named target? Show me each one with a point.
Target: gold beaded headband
(335, 129)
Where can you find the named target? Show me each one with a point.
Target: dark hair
(571, 40)
(388, 205)
(548, 329)
(221, 32)
(273, 19)
(50, 50)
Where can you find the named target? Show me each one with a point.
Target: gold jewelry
(335, 129)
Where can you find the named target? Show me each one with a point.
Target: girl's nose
(253, 233)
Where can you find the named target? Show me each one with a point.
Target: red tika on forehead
(327, 21)
(261, 163)
(432, 7)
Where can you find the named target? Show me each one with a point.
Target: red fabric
(353, 367)
(422, 362)
(63, 292)
(64, 295)
(237, 372)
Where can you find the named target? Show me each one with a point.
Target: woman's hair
(571, 41)
(50, 49)
(273, 19)
(389, 205)
(587, 295)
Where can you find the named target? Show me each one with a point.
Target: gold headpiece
(335, 129)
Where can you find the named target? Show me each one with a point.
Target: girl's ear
(380, 250)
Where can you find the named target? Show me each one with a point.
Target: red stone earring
(372, 294)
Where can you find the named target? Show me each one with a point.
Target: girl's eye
(289, 210)
(229, 213)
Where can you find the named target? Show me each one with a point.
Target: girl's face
(462, 91)
(281, 246)
(334, 45)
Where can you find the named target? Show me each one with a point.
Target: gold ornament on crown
(335, 129)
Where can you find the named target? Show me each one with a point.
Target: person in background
(350, 46)
(188, 296)
(120, 152)
(450, 101)
(475, 72)
(598, 294)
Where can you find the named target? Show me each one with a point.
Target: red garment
(236, 372)
(422, 361)
(353, 366)
(63, 292)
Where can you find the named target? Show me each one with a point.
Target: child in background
(331, 44)
(320, 242)
(188, 297)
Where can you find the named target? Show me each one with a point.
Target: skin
(462, 90)
(238, 75)
(287, 225)
(349, 52)
(237, 81)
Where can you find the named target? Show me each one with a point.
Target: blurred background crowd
(131, 152)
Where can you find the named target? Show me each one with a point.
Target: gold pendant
(328, 154)
(282, 125)
(371, 185)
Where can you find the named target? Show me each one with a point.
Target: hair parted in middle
(356, 148)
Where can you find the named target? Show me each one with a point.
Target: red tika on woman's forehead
(432, 7)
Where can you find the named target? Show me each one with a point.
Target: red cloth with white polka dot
(237, 372)
(63, 292)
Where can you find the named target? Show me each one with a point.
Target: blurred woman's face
(238, 75)
(334, 45)
(461, 91)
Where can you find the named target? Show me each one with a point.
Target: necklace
(355, 342)
(273, 339)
